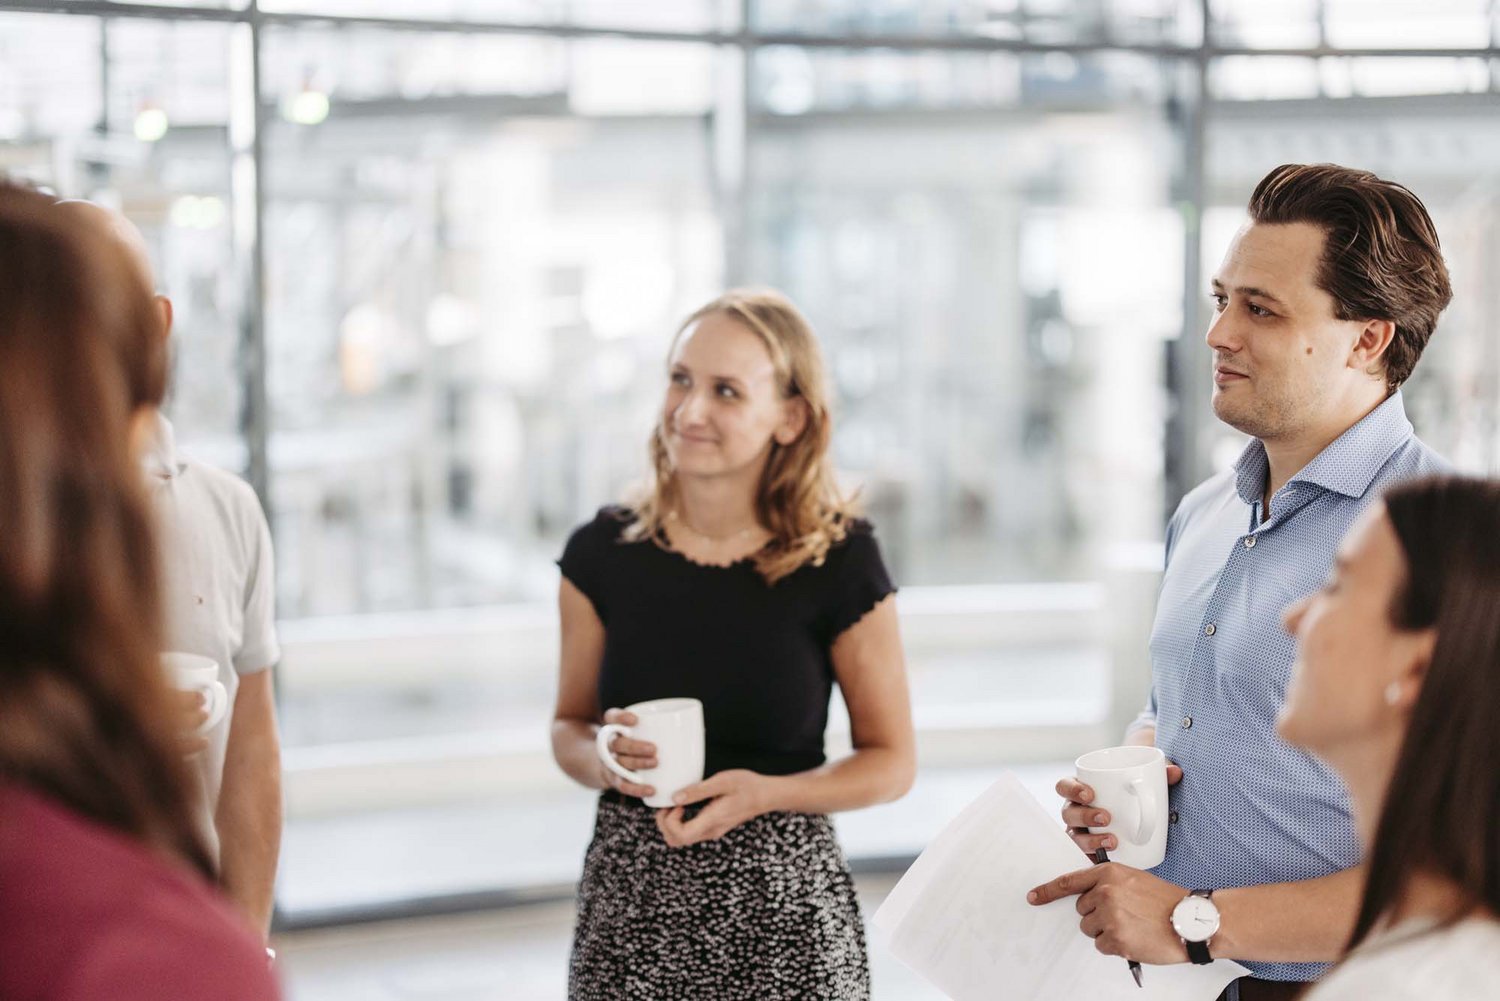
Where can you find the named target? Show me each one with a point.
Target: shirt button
(1172, 817)
(1249, 542)
(1187, 722)
(1210, 629)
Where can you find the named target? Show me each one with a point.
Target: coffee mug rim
(1153, 755)
(181, 660)
(656, 707)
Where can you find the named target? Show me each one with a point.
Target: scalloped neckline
(662, 545)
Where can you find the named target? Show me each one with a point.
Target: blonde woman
(743, 580)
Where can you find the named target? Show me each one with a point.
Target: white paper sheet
(960, 918)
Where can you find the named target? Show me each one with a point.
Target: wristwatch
(1196, 921)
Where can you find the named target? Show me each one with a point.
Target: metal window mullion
(247, 183)
(1187, 461)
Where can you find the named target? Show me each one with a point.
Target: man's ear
(164, 316)
(1375, 339)
(793, 421)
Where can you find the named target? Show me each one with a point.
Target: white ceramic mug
(1130, 783)
(675, 726)
(190, 672)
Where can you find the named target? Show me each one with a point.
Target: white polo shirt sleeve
(258, 648)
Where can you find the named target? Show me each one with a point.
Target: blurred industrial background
(427, 257)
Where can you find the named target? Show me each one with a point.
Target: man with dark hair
(1323, 304)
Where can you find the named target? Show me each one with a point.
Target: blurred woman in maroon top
(104, 884)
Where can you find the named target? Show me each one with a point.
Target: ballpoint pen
(1102, 856)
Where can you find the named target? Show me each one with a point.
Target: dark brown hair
(1381, 259)
(84, 710)
(1442, 809)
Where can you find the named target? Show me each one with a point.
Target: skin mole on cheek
(1309, 350)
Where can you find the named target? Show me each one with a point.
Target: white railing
(412, 650)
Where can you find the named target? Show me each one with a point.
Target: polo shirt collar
(1347, 466)
(160, 460)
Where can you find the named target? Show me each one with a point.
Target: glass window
(1353, 24)
(1048, 22)
(50, 90)
(1407, 24)
(154, 146)
(471, 288)
(788, 80)
(456, 299)
(975, 305)
(1265, 24)
(1263, 78)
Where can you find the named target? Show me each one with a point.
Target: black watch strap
(1198, 951)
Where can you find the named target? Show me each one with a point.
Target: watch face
(1195, 919)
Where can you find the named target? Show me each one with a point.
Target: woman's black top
(758, 656)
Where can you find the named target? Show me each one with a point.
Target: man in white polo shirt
(218, 592)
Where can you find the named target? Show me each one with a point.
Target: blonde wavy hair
(798, 499)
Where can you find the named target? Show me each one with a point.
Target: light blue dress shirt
(1251, 809)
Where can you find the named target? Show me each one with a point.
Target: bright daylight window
(482, 221)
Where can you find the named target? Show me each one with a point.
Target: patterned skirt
(765, 913)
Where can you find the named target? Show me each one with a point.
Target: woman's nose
(692, 409)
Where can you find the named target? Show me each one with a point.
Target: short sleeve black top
(758, 656)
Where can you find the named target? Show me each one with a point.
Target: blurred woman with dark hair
(103, 878)
(1397, 686)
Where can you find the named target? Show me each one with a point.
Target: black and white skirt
(765, 913)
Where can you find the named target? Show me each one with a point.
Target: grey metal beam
(744, 37)
(1186, 461)
(170, 12)
(247, 180)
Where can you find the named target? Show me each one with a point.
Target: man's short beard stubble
(1265, 417)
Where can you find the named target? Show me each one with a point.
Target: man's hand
(1079, 816)
(736, 796)
(189, 713)
(1125, 911)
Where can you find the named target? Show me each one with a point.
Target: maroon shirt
(87, 913)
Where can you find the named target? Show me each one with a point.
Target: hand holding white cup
(660, 748)
(631, 755)
(1129, 786)
(198, 676)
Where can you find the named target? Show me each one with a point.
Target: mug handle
(601, 746)
(216, 701)
(1146, 806)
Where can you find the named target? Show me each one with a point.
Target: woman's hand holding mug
(632, 755)
(653, 749)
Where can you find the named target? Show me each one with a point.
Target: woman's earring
(1393, 693)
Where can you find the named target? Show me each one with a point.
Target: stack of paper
(960, 918)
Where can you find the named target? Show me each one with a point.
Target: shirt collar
(1347, 466)
(160, 460)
